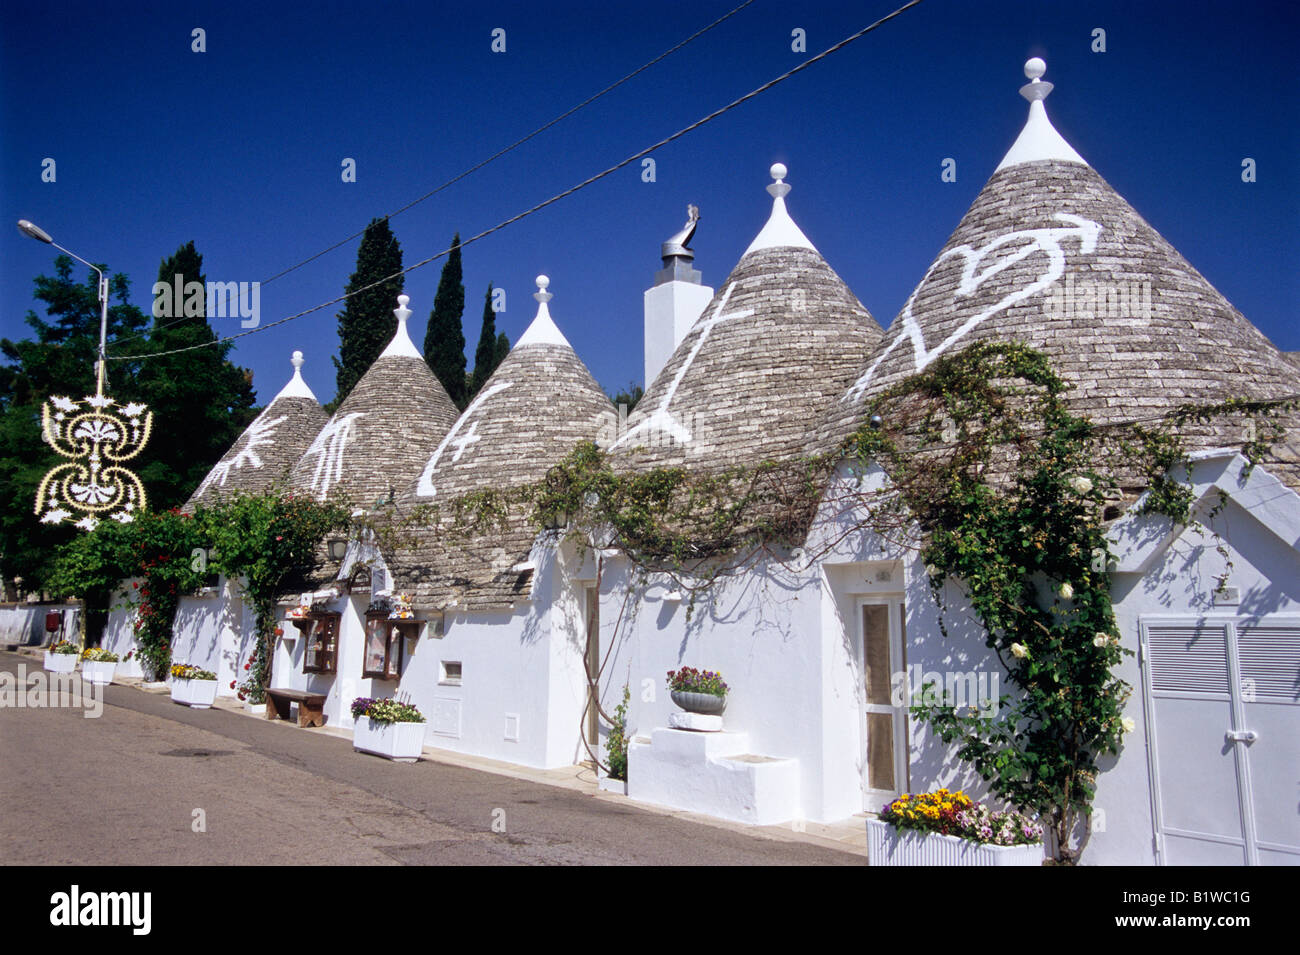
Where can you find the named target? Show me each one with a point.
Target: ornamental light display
(95, 435)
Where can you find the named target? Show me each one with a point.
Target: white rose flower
(1080, 484)
(1019, 651)
(1067, 592)
(1100, 640)
(1128, 724)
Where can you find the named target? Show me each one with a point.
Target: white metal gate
(1222, 697)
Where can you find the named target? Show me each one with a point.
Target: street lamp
(36, 232)
(95, 440)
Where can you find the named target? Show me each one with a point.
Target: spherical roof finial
(541, 294)
(780, 188)
(1037, 88)
(296, 360)
(403, 300)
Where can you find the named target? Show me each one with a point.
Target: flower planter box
(60, 662)
(402, 742)
(613, 785)
(887, 845)
(196, 694)
(256, 709)
(98, 671)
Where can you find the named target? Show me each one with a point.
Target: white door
(884, 730)
(1222, 701)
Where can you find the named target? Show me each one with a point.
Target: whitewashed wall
(24, 624)
(522, 674)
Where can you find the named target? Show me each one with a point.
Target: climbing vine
(258, 540)
(1002, 490)
(262, 541)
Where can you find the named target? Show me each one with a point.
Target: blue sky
(240, 147)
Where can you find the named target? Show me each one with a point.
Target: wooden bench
(311, 706)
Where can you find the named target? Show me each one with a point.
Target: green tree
(503, 348)
(628, 396)
(201, 401)
(488, 354)
(367, 323)
(444, 341)
(60, 360)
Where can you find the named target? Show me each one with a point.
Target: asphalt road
(150, 782)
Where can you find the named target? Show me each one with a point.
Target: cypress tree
(485, 355)
(444, 341)
(503, 348)
(367, 323)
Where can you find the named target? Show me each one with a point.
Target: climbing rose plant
(262, 541)
(161, 545)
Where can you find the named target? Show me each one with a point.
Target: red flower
(232, 684)
(247, 665)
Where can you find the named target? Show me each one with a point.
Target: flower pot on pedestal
(706, 703)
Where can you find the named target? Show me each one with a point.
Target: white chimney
(676, 300)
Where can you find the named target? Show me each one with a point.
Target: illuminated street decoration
(97, 436)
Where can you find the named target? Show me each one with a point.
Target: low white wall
(24, 624)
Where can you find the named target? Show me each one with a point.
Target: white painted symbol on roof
(465, 440)
(259, 434)
(660, 420)
(425, 488)
(1047, 241)
(328, 450)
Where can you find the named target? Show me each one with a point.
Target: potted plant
(698, 691)
(388, 728)
(97, 665)
(950, 828)
(193, 687)
(61, 657)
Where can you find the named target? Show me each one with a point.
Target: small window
(322, 633)
(450, 673)
(386, 646)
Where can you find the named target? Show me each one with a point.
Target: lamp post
(39, 234)
(95, 440)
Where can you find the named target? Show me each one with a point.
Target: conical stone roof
(266, 452)
(534, 409)
(780, 341)
(1051, 256)
(383, 432)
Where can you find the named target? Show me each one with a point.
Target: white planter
(889, 846)
(257, 709)
(399, 741)
(98, 671)
(60, 662)
(613, 785)
(198, 694)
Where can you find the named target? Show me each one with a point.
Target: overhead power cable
(555, 198)
(495, 156)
